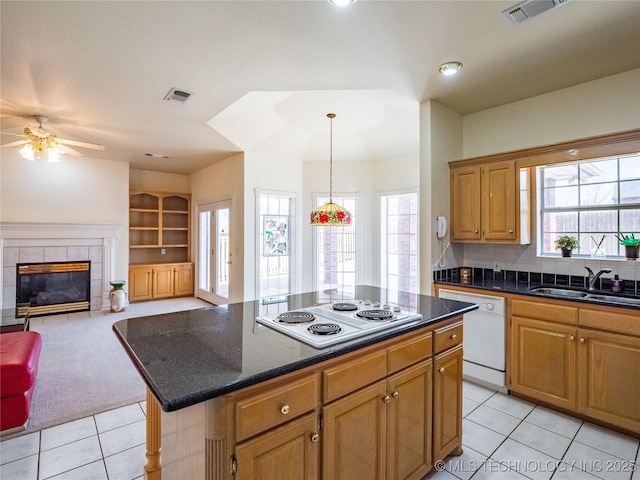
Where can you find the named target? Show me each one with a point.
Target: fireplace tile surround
(57, 242)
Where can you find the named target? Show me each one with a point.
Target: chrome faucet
(594, 278)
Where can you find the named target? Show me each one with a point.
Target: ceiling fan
(39, 142)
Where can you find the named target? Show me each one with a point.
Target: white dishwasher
(483, 338)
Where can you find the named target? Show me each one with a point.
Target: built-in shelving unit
(159, 245)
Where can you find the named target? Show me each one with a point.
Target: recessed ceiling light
(449, 68)
(341, 3)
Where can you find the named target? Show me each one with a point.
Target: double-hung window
(592, 200)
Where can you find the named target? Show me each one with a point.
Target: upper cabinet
(489, 203)
(159, 228)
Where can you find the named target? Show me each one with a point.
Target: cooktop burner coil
(295, 317)
(345, 307)
(376, 315)
(324, 329)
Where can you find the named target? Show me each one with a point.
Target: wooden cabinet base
(286, 428)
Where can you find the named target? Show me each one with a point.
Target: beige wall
(148, 181)
(223, 181)
(74, 190)
(603, 106)
(441, 142)
(611, 104)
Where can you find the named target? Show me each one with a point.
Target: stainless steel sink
(613, 299)
(559, 292)
(594, 297)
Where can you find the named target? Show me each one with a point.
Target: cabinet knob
(315, 437)
(441, 370)
(510, 231)
(386, 399)
(582, 340)
(572, 338)
(475, 231)
(395, 394)
(285, 409)
(454, 337)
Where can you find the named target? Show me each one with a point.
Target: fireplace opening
(54, 287)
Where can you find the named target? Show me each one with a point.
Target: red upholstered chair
(19, 355)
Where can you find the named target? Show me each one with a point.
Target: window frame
(578, 209)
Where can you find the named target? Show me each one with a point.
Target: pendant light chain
(331, 117)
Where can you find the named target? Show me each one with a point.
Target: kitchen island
(229, 397)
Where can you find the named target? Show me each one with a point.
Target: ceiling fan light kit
(40, 143)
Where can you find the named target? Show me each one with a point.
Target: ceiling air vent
(176, 95)
(528, 9)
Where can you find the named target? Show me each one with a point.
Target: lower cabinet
(382, 431)
(447, 403)
(589, 371)
(544, 361)
(147, 282)
(269, 456)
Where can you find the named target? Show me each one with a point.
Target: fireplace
(53, 287)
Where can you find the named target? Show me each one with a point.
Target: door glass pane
(222, 254)
(204, 251)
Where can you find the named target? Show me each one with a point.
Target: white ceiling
(265, 73)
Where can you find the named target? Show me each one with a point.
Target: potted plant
(566, 243)
(631, 245)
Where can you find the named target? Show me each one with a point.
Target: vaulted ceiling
(263, 74)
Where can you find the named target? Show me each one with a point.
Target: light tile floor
(503, 438)
(508, 438)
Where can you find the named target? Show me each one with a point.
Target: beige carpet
(83, 368)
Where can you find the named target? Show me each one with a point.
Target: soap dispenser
(616, 284)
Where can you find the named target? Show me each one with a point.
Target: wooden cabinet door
(499, 201)
(140, 283)
(354, 438)
(609, 378)
(543, 361)
(465, 204)
(290, 452)
(409, 423)
(447, 403)
(163, 281)
(183, 279)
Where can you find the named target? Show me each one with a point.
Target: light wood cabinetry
(159, 246)
(147, 282)
(447, 391)
(485, 203)
(270, 455)
(368, 415)
(380, 431)
(585, 360)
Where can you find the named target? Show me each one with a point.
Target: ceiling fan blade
(75, 143)
(68, 151)
(15, 144)
(13, 134)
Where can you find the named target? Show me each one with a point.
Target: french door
(214, 256)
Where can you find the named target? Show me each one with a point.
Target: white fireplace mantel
(39, 234)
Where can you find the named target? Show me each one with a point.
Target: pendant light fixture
(330, 214)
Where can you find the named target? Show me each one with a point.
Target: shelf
(159, 222)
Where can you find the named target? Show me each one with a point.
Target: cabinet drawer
(350, 376)
(409, 352)
(628, 322)
(275, 406)
(447, 337)
(545, 311)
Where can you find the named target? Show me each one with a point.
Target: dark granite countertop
(188, 357)
(528, 288)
